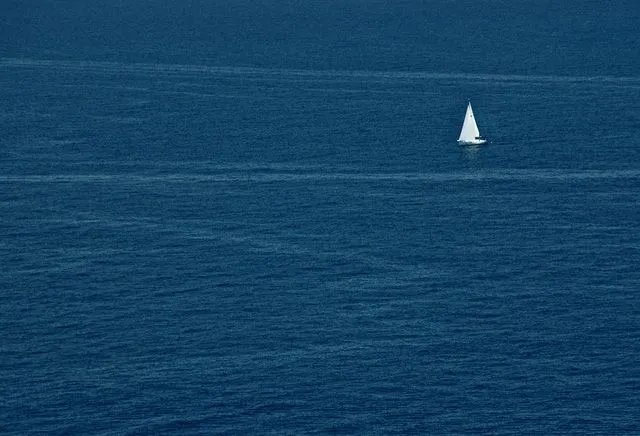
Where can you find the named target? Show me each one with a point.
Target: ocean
(253, 217)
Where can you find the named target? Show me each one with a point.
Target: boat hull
(473, 142)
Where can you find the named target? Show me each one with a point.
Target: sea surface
(253, 217)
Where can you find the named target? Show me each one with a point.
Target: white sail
(470, 133)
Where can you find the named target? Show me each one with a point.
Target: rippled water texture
(206, 245)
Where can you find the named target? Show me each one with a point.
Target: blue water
(253, 218)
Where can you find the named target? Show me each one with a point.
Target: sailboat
(470, 135)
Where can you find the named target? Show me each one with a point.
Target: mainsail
(470, 132)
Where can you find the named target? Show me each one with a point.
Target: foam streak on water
(257, 176)
(284, 74)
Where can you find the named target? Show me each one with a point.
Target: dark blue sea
(252, 217)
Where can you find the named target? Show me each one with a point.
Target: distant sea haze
(254, 218)
(584, 38)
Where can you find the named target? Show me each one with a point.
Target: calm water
(253, 218)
